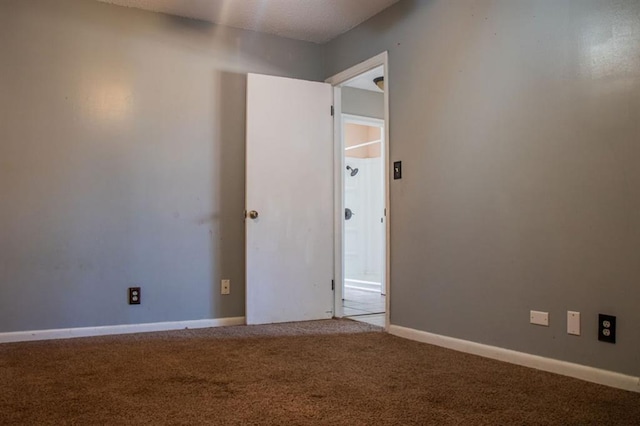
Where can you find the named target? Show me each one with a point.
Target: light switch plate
(540, 318)
(397, 170)
(573, 323)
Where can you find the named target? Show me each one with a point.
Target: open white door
(289, 245)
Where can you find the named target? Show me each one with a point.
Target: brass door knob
(253, 214)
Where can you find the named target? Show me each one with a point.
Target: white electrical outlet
(225, 287)
(540, 318)
(573, 323)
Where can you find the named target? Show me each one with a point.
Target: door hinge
(332, 111)
(333, 285)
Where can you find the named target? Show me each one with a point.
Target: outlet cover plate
(573, 323)
(134, 295)
(225, 287)
(607, 328)
(540, 318)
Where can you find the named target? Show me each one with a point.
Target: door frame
(337, 81)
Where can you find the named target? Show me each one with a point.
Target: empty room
(333, 212)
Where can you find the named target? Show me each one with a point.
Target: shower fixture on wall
(353, 171)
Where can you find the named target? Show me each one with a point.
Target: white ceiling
(365, 81)
(310, 20)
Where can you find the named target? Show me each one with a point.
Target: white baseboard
(68, 333)
(578, 371)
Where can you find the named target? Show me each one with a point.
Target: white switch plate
(573, 323)
(225, 287)
(540, 318)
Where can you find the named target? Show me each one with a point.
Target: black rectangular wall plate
(607, 328)
(397, 170)
(134, 295)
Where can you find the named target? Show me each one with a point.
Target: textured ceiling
(310, 20)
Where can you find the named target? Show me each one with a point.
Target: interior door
(289, 191)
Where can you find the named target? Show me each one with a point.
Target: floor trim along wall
(68, 333)
(583, 372)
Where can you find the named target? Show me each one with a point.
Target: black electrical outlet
(134, 295)
(606, 328)
(397, 170)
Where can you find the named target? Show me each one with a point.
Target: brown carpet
(335, 372)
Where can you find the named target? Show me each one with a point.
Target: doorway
(363, 256)
(361, 165)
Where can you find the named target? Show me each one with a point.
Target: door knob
(348, 214)
(253, 214)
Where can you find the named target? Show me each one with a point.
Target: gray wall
(362, 102)
(122, 161)
(518, 125)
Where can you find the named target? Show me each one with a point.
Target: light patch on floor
(364, 306)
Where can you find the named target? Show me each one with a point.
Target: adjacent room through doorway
(363, 134)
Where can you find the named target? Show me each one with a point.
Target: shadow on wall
(230, 176)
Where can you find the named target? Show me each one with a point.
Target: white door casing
(289, 183)
(337, 81)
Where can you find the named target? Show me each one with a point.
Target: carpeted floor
(335, 372)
